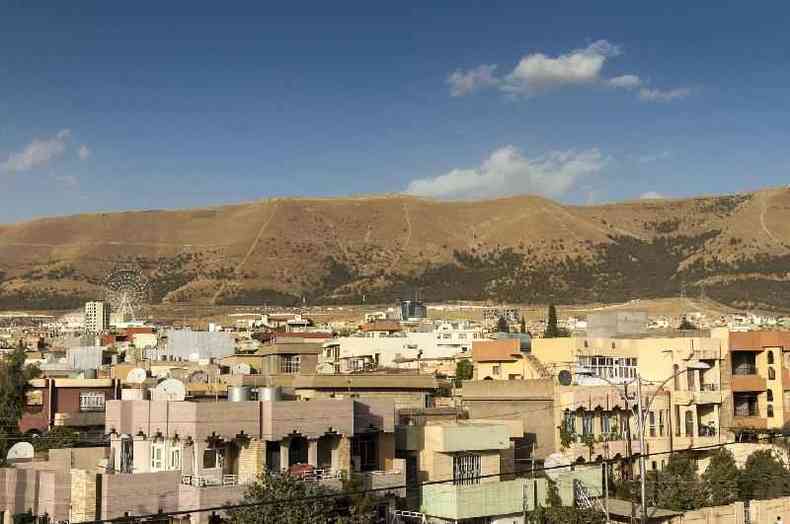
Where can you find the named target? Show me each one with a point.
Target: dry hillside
(521, 249)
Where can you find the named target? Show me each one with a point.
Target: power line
(386, 489)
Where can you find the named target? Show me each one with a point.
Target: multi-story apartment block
(174, 455)
(97, 317)
(689, 368)
(760, 379)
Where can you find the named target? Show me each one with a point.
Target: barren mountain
(735, 249)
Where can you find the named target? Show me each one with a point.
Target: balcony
(751, 382)
(709, 394)
(450, 502)
(208, 481)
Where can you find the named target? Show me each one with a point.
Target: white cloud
(84, 152)
(651, 195)
(507, 171)
(37, 153)
(625, 81)
(538, 73)
(466, 82)
(661, 95)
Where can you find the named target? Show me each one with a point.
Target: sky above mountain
(135, 105)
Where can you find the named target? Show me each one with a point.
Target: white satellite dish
(136, 376)
(556, 464)
(242, 368)
(170, 389)
(21, 451)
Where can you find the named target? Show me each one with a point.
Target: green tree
(686, 325)
(58, 437)
(720, 479)
(464, 370)
(502, 325)
(763, 477)
(679, 487)
(552, 329)
(14, 377)
(291, 500)
(523, 325)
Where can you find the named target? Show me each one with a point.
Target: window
(212, 458)
(466, 469)
(770, 410)
(676, 380)
(587, 423)
(569, 421)
(771, 373)
(461, 336)
(770, 395)
(289, 364)
(690, 378)
(745, 404)
(652, 422)
(770, 357)
(689, 424)
(91, 401)
(497, 370)
(661, 423)
(175, 458)
(606, 424)
(677, 421)
(157, 450)
(34, 398)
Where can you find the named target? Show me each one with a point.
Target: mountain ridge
(527, 249)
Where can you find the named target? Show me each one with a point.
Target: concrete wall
(140, 494)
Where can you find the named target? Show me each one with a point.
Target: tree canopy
(464, 370)
(502, 325)
(14, 377)
(763, 477)
(720, 479)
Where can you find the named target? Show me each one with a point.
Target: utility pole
(642, 449)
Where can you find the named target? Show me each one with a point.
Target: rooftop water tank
(238, 393)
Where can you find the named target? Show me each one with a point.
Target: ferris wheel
(126, 289)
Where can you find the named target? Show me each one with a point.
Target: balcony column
(285, 453)
(312, 452)
(341, 454)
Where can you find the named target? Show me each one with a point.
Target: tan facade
(759, 363)
(691, 369)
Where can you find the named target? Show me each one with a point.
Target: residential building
(690, 368)
(503, 359)
(760, 379)
(177, 455)
(97, 317)
(405, 390)
(75, 403)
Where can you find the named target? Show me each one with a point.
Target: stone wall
(252, 460)
(83, 495)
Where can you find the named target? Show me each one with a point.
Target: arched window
(770, 357)
(771, 374)
(770, 395)
(770, 410)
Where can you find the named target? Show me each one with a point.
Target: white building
(97, 317)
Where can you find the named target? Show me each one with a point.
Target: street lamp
(642, 418)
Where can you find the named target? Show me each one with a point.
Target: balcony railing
(204, 481)
(710, 387)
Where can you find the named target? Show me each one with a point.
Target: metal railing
(206, 481)
(710, 387)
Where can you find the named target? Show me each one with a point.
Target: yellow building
(503, 360)
(688, 368)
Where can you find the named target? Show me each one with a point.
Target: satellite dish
(565, 378)
(170, 389)
(556, 464)
(136, 376)
(242, 368)
(21, 451)
(194, 357)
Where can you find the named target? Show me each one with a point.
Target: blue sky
(138, 105)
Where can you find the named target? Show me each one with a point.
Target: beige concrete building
(759, 362)
(691, 369)
(180, 454)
